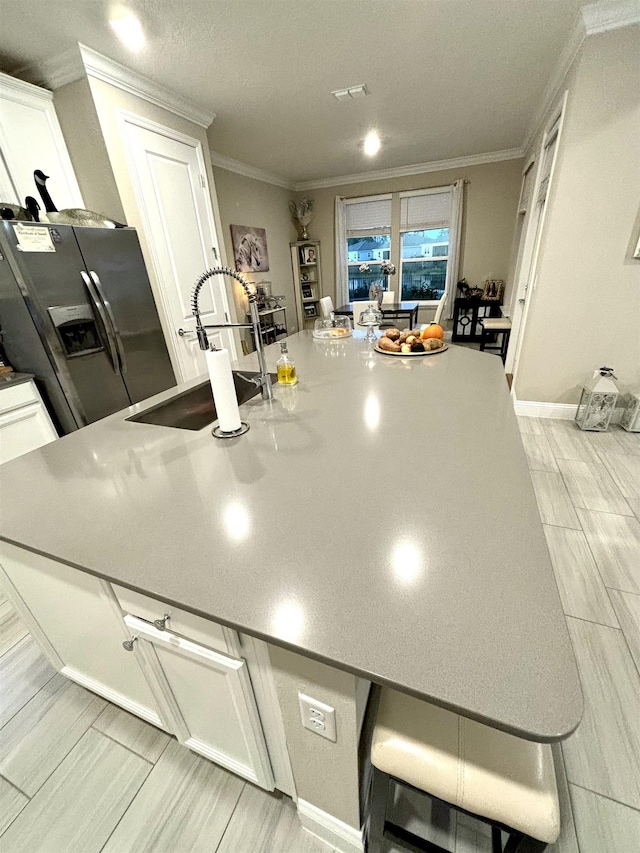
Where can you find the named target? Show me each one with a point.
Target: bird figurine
(70, 215)
(15, 212)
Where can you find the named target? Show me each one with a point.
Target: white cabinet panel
(24, 429)
(209, 701)
(30, 138)
(76, 616)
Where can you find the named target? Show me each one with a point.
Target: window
(424, 243)
(417, 242)
(424, 263)
(368, 241)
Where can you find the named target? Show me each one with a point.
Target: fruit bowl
(412, 342)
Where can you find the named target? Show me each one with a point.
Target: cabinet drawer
(181, 622)
(18, 395)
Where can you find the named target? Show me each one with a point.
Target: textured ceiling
(448, 78)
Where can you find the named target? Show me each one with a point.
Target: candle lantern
(631, 412)
(598, 401)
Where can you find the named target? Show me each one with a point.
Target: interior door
(170, 183)
(527, 268)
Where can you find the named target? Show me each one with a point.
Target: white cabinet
(30, 138)
(208, 700)
(24, 422)
(78, 624)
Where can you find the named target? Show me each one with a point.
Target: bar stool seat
(491, 774)
(495, 326)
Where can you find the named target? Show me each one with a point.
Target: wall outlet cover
(317, 717)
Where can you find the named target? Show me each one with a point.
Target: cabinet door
(79, 626)
(30, 138)
(24, 429)
(209, 701)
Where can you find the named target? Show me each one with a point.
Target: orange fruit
(433, 330)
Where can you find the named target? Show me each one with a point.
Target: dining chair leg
(378, 811)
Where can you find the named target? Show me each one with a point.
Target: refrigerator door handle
(114, 325)
(97, 304)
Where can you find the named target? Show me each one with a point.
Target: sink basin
(194, 409)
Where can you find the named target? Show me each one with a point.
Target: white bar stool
(495, 326)
(503, 780)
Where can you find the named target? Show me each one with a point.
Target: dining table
(390, 311)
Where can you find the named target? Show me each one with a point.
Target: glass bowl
(332, 328)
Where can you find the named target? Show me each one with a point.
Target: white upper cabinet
(30, 139)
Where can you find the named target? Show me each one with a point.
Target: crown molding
(565, 61)
(415, 169)
(604, 16)
(594, 18)
(19, 89)
(102, 68)
(80, 61)
(231, 165)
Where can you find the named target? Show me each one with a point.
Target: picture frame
(493, 289)
(309, 310)
(305, 277)
(308, 255)
(250, 251)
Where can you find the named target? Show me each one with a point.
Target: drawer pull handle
(128, 644)
(161, 624)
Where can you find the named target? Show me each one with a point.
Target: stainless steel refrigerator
(76, 310)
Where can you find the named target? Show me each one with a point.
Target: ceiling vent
(352, 93)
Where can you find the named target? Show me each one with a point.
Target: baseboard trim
(326, 827)
(559, 411)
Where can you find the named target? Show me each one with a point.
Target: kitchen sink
(194, 409)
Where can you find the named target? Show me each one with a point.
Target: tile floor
(79, 775)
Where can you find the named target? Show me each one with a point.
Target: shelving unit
(272, 328)
(305, 260)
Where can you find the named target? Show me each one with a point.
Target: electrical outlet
(317, 717)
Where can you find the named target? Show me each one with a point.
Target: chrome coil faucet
(263, 380)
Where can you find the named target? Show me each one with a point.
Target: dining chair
(440, 308)
(389, 296)
(326, 306)
(358, 308)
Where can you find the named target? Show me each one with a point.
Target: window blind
(525, 192)
(425, 211)
(370, 216)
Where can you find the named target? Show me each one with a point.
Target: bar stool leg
(378, 811)
(505, 344)
(496, 840)
(519, 843)
(483, 339)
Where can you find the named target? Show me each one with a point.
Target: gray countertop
(13, 378)
(378, 517)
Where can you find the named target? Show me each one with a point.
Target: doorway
(171, 189)
(531, 213)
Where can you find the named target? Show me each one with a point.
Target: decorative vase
(305, 233)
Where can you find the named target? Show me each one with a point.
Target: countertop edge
(536, 737)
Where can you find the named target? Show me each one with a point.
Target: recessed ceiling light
(371, 144)
(129, 30)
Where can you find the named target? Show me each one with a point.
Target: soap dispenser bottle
(285, 366)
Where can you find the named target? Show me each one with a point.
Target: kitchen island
(378, 519)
